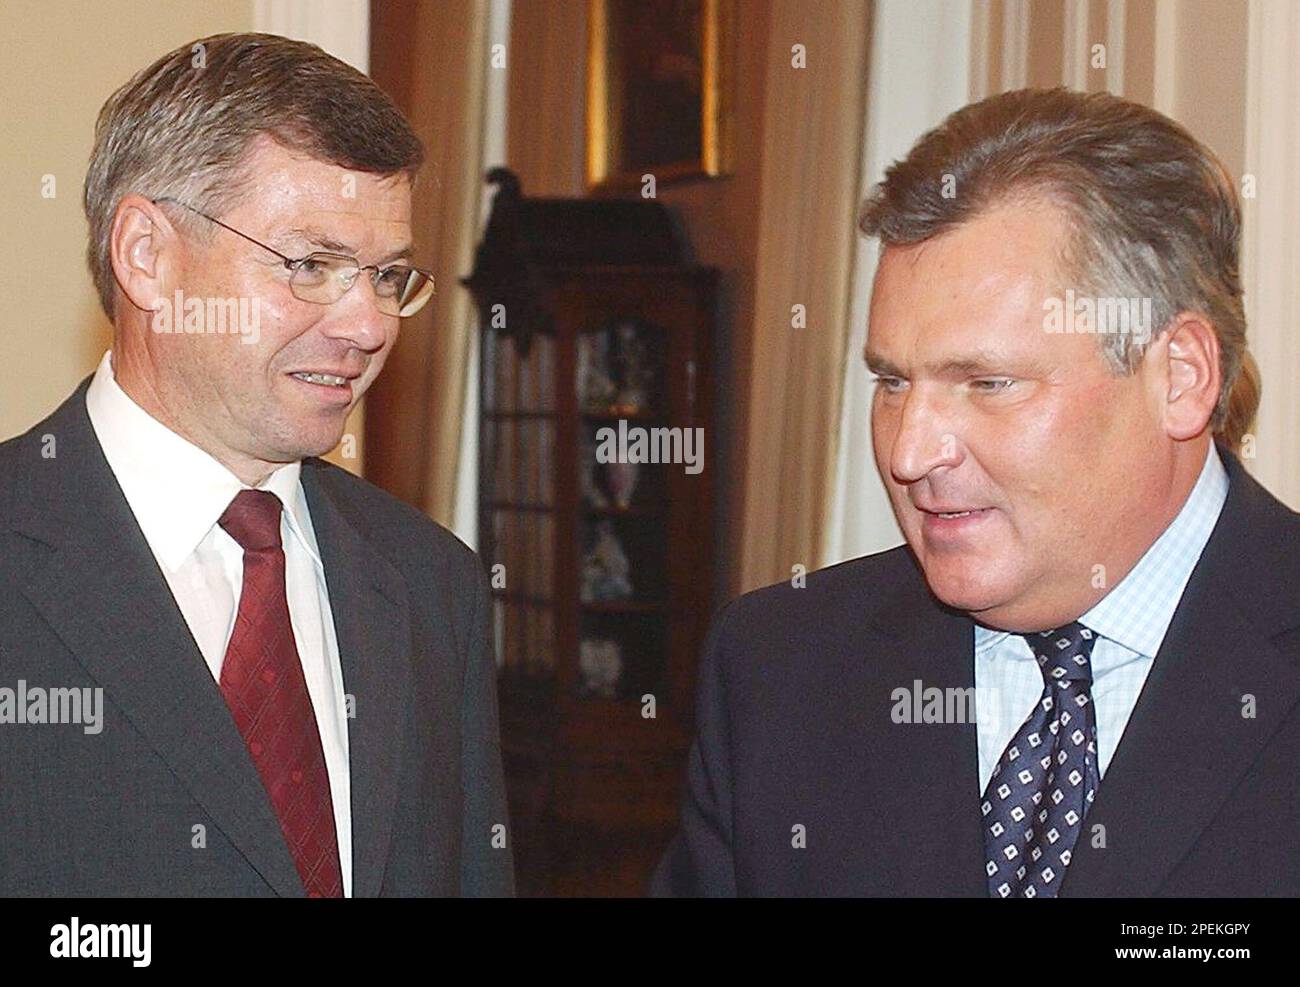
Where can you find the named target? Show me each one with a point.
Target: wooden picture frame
(658, 79)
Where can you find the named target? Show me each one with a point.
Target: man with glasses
(283, 677)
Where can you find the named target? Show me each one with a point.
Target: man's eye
(887, 383)
(394, 278)
(992, 385)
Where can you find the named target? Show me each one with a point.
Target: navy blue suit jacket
(794, 730)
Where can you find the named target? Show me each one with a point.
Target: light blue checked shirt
(1130, 622)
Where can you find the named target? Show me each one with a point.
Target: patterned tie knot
(253, 520)
(1064, 654)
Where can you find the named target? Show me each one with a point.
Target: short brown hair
(181, 127)
(1155, 214)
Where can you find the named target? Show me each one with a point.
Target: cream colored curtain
(433, 58)
(1271, 241)
(547, 93)
(812, 128)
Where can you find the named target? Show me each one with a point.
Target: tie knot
(253, 520)
(1064, 654)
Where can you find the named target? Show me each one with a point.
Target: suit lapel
(369, 602)
(1188, 743)
(929, 771)
(102, 593)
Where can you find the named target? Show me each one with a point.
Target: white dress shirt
(177, 493)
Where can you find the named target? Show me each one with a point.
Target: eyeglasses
(323, 278)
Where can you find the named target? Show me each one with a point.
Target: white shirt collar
(177, 491)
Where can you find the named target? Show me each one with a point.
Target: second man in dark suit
(1081, 675)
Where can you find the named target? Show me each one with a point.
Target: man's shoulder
(20, 456)
(10, 462)
(1254, 551)
(10, 454)
(64, 438)
(397, 529)
(798, 651)
(838, 600)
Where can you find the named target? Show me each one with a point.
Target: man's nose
(357, 318)
(926, 438)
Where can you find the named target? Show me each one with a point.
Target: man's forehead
(283, 181)
(992, 317)
(992, 303)
(984, 291)
(1003, 259)
(330, 200)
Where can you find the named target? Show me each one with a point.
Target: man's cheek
(882, 441)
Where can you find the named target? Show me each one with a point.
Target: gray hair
(181, 128)
(1155, 214)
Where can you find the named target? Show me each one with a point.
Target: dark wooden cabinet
(594, 371)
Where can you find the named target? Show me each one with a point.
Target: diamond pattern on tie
(262, 680)
(1047, 778)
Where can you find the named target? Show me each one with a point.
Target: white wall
(58, 63)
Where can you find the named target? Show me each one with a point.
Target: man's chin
(972, 593)
(321, 448)
(309, 446)
(999, 606)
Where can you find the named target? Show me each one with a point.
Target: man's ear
(142, 243)
(1188, 368)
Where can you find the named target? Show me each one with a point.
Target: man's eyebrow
(879, 365)
(401, 253)
(316, 238)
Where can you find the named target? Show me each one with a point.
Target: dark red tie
(263, 683)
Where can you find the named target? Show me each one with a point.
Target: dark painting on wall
(656, 90)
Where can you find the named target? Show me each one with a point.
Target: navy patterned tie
(1046, 779)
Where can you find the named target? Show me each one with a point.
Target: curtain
(812, 125)
(1271, 242)
(433, 59)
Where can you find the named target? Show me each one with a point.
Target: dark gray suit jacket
(84, 604)
(794, 729)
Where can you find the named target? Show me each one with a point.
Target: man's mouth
(950, 510)
(328, 380)
(952, 520)
(334, 390)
